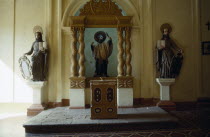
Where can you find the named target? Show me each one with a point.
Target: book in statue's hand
(161, 44)
(41, 46)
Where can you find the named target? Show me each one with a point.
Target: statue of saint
(39, 56)
(169, 55)
(101, 52)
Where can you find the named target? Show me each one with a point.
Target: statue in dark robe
(38, 58)
(101, 52)
(169, 55)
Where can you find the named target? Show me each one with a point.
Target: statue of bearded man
(101, 52)
(169, 55)
(39, 56)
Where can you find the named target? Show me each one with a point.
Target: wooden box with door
(104, 99)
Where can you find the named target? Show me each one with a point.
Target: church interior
(105, 68)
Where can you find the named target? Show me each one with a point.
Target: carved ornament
(125, 82)
(77, 82)
(100, 7)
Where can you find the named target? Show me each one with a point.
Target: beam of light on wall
(22, 92)
(6, 83)
(9, 115)
(13, 92)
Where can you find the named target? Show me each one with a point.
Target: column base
(34, 109)
(77, 98)
(125, 97)
(167, 105)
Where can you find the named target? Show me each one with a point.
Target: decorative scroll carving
(128, 53)
(125, 82)
(100, 7)
(81, 52)
(74, 52)
(77, 82)
(120, 52)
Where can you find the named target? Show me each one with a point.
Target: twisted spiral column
(81, 52)
(74, 52)
(120, 52)
(128, 49)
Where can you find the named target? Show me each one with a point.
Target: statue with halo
(169, 55)
(37, 69)
(102, 51)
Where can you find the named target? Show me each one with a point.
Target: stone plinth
(36, 107)
(165, 101)
(125, 91)
(77, 98)
(63, 120)
(77, 92)
(125, 97)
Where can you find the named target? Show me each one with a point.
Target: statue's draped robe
(101, 53)
(38, 62)
(169, 62)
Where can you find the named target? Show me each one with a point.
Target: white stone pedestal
(125, 97)
(77, 98)
(36, 107)
(165, 102)
(165, 87)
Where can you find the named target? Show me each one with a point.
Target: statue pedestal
(77, 92)
(125, 97)
(125, 92)
(77, 98)
(36, 107)
(165, 102)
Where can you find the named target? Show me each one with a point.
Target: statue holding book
(39, 56)
(169, 55)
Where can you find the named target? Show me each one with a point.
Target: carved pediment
(100, 7)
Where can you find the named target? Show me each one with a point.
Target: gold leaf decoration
(100, 7)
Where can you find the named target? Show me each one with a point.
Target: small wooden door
(104, 99)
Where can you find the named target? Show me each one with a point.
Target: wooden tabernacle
(104, 99)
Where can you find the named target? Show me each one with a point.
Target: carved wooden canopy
(100, 7)
(100, 13)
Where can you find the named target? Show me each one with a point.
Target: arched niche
(75, 5)
(101, 14)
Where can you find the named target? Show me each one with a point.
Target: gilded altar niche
(101, 14)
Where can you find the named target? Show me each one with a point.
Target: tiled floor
(11, 126)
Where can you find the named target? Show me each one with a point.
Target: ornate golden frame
(101, 14)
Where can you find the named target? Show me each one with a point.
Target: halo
(166, 25)
(100, 33)
(37, 29)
